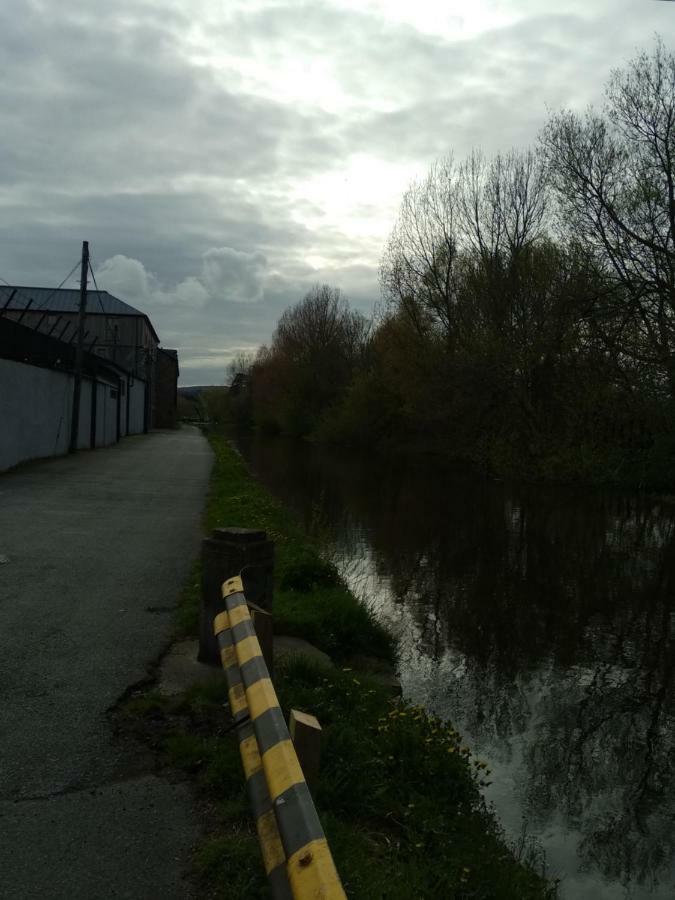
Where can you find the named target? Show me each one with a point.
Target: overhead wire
(100, 302)
(98, 293)
(63, 282)
(44, 302)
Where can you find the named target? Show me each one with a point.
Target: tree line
(528, 317)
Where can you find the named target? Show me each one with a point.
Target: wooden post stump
(306, 736)
(226, 553)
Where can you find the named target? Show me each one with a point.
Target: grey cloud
(227, 304)
(128, 107)
(207, 321)
(112, 130)
(493, 90)
(225, 274)
(233, 274)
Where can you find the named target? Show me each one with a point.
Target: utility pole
(79, 350)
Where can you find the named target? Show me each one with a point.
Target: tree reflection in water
(537, 616)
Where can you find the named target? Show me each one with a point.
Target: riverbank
(399, 793)
(585, 465)
(545, 461)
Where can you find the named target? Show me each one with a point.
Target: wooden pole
(79, 351)
(306, 736)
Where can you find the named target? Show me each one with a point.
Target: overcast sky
(222, 157)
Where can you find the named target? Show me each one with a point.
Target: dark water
(542, 622)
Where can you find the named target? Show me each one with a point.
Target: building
(128, 385)
(165, 385)
(114, 330)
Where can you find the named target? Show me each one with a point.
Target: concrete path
(94, 551)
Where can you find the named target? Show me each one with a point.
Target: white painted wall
(35, 409)
(34, 412)
(106, 414)
(84, 424)
(123, 407)
(136, 395)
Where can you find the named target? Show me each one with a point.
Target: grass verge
(310, 600)
(399, 794)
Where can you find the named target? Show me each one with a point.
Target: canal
(541, 621)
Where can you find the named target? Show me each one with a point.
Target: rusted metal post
(306, 736)
(226, 553)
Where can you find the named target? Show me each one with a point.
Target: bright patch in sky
(449, 19)
(360, 198)
(236, 152)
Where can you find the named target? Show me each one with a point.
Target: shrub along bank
(399, 793)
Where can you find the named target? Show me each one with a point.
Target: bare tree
(502, 203)
(482, 211)
(315, 349)
(614, 175)
(419, 268)
(321, 328)
(240, 365)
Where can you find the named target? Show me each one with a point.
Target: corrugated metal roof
(66, 300)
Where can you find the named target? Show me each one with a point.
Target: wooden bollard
(226, 553)
(306, 736)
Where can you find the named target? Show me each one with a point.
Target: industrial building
(129, 382)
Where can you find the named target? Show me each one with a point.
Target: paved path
(98, 548)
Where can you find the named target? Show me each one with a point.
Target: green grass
(310, 600)
(398, 794)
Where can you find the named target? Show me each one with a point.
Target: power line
(63, 282)
(44, 302)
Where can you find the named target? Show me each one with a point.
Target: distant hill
(194, 391)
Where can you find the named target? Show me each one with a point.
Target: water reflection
(542, 620)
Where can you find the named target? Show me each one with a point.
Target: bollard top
(304, 719)
(239, 535)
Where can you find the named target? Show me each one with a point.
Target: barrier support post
(306, 736)
(262, 622)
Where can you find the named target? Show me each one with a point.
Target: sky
(223, 157)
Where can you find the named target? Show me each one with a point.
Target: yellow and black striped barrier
(294, 847)
(274, 858)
